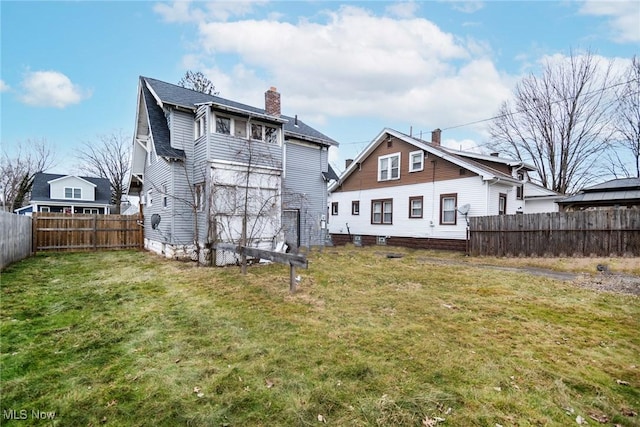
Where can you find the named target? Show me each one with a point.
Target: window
(270, 135)
(334, 208)
(448, 204)
(90, 211)
(72, 193)
(415, 207)
(44, 209)
(165, 197)
(389, 167)
(240, 128)
(355, 207)
(199, 128)
(416, 161)
(199, 196)
(382, 211)
(502, 204)
(150, 198)
(256, 131)
(520, 188)
(223, 125)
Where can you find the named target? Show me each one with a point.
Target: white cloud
(50, 89)
(3, 86)
(354, 64)
(403, 9)
(188, 11)
(624, 17)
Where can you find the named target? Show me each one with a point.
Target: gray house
(68, 194)
(206, 168)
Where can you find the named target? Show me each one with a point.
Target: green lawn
(128, 338)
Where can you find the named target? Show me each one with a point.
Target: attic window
(72, 193)
(389, 167)
(416, 161)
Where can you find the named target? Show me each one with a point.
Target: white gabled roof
(62, 178)
(485, 172)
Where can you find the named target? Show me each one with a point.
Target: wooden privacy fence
(585, 233)
(54, 231)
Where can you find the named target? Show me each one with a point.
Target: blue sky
(69, 70)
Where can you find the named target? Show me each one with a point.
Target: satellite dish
(464, 209)
(155, 220)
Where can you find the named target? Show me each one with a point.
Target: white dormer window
(416, 161)
(72, 193)
(389, 167)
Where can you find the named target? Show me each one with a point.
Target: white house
(405, 191)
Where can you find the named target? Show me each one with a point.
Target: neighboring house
(201, 162)
(405, 191)
(622, 193)
(68, 194)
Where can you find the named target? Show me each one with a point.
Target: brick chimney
(435, 137)
(272, 102)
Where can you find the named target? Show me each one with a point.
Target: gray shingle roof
(188, 98)
(159, 128)
(615, 184)
(40, 189)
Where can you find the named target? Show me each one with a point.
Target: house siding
(240, 150)
(304, 189)
(88, 191)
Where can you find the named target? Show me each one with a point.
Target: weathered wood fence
(586, 233)
(15, 238)
(58, 232)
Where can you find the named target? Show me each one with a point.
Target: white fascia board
(62, 178)
(155, 95)
(241, 111)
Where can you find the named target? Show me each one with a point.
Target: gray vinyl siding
(240, 150)
(181, 126)
(305, 189)
(157, 174)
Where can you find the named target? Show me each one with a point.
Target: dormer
(72, 188)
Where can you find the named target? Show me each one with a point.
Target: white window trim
(93, 211)
(199, 128)
(389, 169)
(199, 196)
(149, 197)
(411, 154)
(45, 209)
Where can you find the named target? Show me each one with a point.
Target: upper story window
(240, 128)
(223, 125)
(199, 130)
(416, 161)
(355, 207)
(520, 188)
(389, 167)
(150, 198)
(72, 193)
(448, 203)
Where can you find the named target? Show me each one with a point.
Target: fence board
(583, 233)
(53, 231)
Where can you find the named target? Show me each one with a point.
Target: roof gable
(482, 170)
(71, 178)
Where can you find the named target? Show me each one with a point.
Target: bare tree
(197, 81)
(627, 123)
(559, 121)
(17, 170)
(108, 158)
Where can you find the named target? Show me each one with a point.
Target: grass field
(128, 338)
